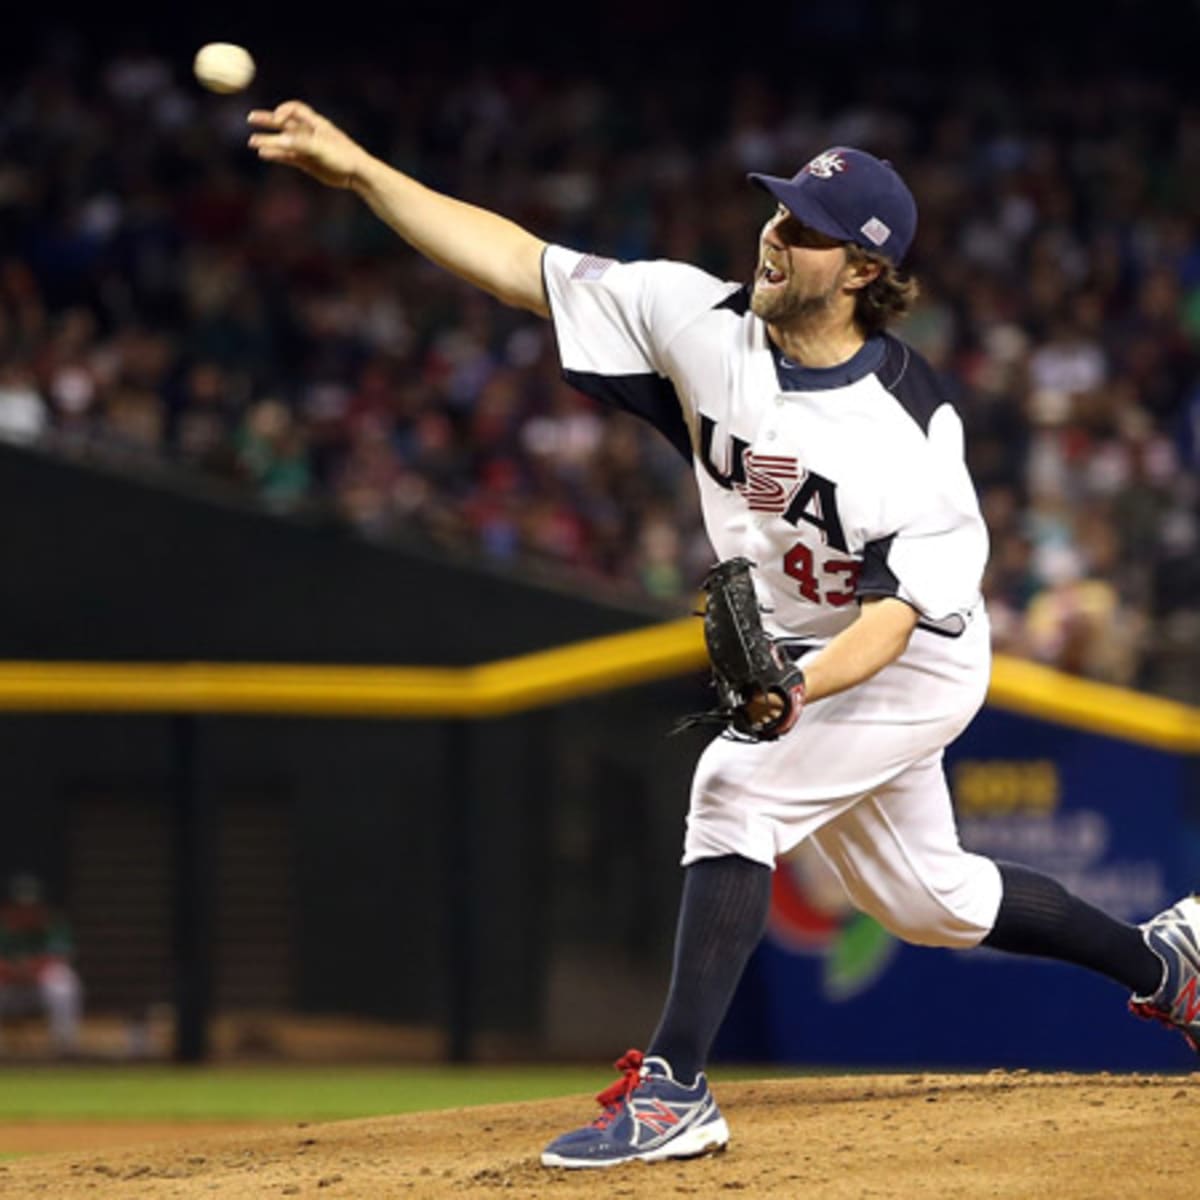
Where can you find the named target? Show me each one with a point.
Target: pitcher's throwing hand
(296, 135)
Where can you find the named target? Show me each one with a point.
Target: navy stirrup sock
(1039, 916)
(721, 919)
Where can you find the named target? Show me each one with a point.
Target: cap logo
(876, 232)
(826, 165)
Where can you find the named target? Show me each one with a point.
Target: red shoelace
(1149, 1013)
(613, 1096)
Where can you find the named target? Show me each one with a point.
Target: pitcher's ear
(864, 269)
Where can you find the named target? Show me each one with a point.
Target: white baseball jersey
(838, 484)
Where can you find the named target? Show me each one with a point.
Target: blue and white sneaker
(647, 1116)
(1174, 936)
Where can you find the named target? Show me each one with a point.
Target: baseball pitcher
(848, 635)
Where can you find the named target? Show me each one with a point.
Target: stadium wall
(384, 867)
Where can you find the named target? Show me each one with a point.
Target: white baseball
(223, 67)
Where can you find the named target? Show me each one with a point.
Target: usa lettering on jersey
(761, 479)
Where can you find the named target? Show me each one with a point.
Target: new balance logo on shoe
(655, 1114)
(1189, 1002)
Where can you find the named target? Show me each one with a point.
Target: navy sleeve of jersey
(876, 578)
(649, 396)
(914, 384)
(933, 545)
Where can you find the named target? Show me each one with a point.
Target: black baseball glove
(759, 691)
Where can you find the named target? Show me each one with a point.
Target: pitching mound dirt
(995, 1135)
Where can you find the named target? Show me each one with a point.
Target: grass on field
(281, 1093)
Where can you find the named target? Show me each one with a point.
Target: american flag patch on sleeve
(591, 267)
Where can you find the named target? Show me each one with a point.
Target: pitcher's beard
(784, 307)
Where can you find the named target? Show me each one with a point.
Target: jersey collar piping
(795, 378)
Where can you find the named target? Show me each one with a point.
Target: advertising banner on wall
(1113, 820)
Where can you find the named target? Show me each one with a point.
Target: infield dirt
(1004, 1134)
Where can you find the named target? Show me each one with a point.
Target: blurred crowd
(166, 302)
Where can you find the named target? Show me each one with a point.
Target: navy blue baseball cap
(850, 195)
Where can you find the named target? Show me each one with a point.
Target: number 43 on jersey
(773, 483)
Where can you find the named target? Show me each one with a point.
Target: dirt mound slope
(1003, 1134)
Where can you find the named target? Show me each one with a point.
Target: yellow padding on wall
(493, 689)
(529, 681)
(1037, 691)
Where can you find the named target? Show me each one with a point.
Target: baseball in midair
(223, 67)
